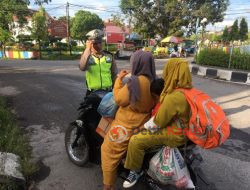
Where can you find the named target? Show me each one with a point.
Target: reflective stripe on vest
(98, 74)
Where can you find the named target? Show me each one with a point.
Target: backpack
(208, 125)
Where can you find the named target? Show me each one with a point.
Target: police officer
(99, 65)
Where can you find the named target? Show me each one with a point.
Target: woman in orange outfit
(135, 105)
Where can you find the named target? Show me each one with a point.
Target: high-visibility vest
(98, 74)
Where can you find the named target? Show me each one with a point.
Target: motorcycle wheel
(79, 154)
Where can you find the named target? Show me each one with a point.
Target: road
(45, 95)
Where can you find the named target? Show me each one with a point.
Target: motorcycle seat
(190, 145)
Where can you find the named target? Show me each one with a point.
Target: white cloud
(103, 8)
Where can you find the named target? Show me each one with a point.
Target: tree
(24, 41)
(225, 35)
(243, 33)
(83, 22)
(63, 18)
(217, 38)
(166, 17)
(5, 36)
(39, 28)
(40, 2)
(234, 33)
(9, 8)
(118, 20)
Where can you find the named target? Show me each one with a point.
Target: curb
(228, 75)
(10, 170)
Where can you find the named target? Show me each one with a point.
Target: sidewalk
(220, 73)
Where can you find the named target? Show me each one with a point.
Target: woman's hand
(122, 74)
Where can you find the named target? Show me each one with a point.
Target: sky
(104, 8)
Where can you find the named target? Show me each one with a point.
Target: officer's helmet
(95, 35)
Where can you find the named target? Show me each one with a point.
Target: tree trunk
(4, 52)
(70, 49)
(40, 52)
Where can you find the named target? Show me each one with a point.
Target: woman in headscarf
(171, 119)
(135, 105)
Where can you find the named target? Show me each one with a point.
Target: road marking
(64, 69)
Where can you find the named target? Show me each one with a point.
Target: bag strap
(180, 124)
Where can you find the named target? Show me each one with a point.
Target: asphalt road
(46, 94)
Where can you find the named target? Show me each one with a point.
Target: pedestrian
(175, 52)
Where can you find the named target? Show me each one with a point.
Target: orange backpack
(208, 125)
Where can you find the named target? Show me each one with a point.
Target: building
(25, 29)
(57, 28)
(115, 34)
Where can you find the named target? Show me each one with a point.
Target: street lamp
(203, 22)
(196, 38)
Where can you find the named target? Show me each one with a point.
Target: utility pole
(68, 27)
(196, 38)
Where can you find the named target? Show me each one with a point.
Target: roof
(29, 18)
(112, 28)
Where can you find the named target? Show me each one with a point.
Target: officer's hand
(89, 45)
(122, 74)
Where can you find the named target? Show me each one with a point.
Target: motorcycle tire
(79, 154)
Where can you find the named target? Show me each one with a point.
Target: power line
(246, 9)
(68, 26)
(53, 8)
(237, 13)
(92, 8)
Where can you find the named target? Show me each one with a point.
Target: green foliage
(63, 18)
(83, 22)
(5, 36)
(78, 48)
(225, 35)
(61, 46)
(13, 140)
(40, 2)
(234, 33)
(118, 20)
(166, 17)
(24, 38)
(52, 40)
(240, 60)
(217, 57)
(25, 46)
(111, 47)
(73, 43)
(179, 33)
(217, 38)
(39, 30)
(243, 30)
(39, 26)
(58, 56)
(213, 57)
(9, 8)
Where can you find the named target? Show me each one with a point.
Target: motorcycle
(83, 145)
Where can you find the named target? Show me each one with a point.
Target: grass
(13, 140)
